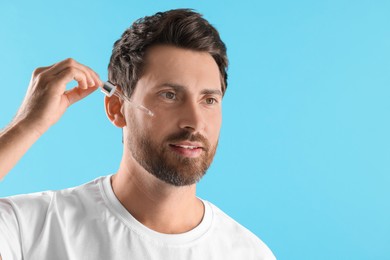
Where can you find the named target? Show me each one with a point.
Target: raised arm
(45, 102)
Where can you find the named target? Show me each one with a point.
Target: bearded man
(174, 64)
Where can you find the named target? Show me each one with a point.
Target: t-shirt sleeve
(10, 242)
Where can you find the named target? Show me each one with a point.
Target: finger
(60, 66)
(92, 77)
(96, 78)
(76, 94)
(40, 70)
(66, 76)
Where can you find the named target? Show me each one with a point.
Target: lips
(187, 146)
(191, 150)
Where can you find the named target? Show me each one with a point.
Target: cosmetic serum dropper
(110, 89)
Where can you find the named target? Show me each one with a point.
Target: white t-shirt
(89, 222)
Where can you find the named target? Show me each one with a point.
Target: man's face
(183, 90)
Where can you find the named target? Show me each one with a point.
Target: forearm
(15, 140)
(45, 102)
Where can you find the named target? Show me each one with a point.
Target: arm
(45, 102)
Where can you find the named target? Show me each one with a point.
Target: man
(173, 63)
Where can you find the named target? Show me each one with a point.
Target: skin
(45, 102)
(196, 108)
(158, 205)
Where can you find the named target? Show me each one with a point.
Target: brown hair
(182, 28)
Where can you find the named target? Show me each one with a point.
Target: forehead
(168, 64)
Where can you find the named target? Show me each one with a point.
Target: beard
(167, 165)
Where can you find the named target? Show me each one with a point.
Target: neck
(159, 206)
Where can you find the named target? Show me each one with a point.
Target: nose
(191, 117)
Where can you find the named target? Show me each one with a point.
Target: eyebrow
(179, 87)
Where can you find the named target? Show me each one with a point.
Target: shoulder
(38, 203)
(237, 235)
(24, 219)
(34, 201)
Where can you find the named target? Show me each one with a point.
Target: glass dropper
(110, 89)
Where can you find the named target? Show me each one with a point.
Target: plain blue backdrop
(304, 151)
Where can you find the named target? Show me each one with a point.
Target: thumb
(75, 94)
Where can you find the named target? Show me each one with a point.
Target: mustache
(188, 136)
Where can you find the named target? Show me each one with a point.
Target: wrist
(29, 126)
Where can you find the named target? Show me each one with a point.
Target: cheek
(214, 127)
(158, 127)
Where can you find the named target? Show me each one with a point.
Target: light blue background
(304, 153)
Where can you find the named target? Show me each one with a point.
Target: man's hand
(46, 99)
(45, 102)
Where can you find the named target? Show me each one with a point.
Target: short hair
(182, 28)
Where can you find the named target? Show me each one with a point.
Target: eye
(169, 95)
(211, 101)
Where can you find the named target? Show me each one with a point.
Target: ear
(114, 106)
